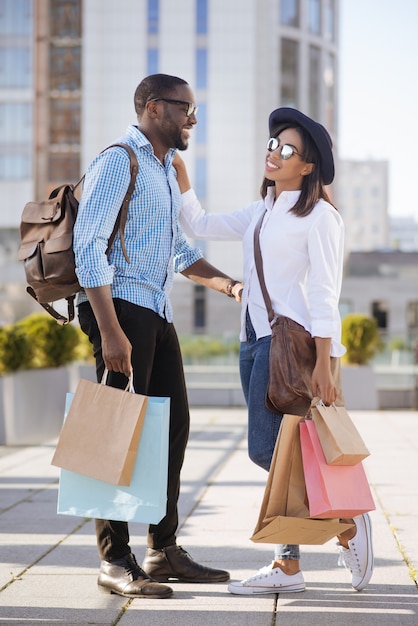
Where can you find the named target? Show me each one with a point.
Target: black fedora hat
(319, 134)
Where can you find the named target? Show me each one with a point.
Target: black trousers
(158, 371)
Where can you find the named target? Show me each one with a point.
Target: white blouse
(302, 260)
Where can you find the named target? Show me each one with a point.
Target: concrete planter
(359, 387)
(32, 402)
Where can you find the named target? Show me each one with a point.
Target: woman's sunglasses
(286, 151)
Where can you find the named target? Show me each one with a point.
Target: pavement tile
(49, 563)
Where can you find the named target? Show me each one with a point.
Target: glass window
(15, 141)
(15, 122)
(152, 61)
(201, 128)
(15, 67)
(65, 68)
(329, 80)
(202, 17)
(15, 166)
(15, 17)
(380, 313)
(65, 121)
(314, 16)
(201, 177)
(65, 18)
(201, 68)
(314, 81)
(290, 73)
(289, 12)
(329, 25)
(412, 315)
(153, 15)
(199, 307)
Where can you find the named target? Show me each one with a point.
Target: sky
(378, 92)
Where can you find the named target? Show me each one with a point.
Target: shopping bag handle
(314, 402)
(130, 385)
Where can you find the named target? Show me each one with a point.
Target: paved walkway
(49, 563)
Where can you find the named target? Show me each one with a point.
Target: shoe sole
(253, 591)
(159, 596)
(370, 558)
(177, 579)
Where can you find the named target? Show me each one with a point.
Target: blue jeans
(263, 425)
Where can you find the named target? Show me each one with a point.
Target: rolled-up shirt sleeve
(326, 253)
(106, 182)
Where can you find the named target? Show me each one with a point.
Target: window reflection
(65, 121)
(289, 12)
(290, 73)
(65, 18)
(314, 16)
(314, 81)
(65, 68)
(15, 140)
(202, 17)
(329, 24)
(15, 17)
(329, 79)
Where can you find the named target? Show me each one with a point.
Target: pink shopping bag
(334, 491)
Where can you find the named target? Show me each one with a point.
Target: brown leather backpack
(46, 237)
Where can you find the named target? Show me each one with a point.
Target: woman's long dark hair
(312, 185)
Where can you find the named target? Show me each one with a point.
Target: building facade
(363, 203)
(81, 60)
(384, 284)
(403, 233)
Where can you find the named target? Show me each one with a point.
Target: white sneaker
(359, 557)
(268, 579)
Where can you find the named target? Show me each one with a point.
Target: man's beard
(180, 144)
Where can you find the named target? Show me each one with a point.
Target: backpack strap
(123, 212)
(61, 319)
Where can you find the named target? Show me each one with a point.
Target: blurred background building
(68, 72)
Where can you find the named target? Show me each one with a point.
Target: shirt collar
(141, 141)
(286, 199)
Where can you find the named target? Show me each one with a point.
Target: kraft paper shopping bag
(340, 440)
(284, 514)
(101, 433)
(333, 491)
(145, 500)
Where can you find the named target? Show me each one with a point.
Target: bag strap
(61, 319)
(259, 266)
(123, 211)
(119, 225)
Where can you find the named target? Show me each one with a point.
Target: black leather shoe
(175, 563)
(124, 577)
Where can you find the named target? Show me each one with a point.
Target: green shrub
(203, 348)
(53, 345)
(360, 336)
(399, 344)
(16, 350)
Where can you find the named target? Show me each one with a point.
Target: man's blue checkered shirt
(155, 244)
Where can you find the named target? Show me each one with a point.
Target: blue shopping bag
(145, 499)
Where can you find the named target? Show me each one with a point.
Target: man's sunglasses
(191, 107)
(286, 151)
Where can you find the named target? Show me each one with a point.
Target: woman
(302, 240)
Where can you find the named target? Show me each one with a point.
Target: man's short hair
(155, 86)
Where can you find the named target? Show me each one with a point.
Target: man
(126, 312)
